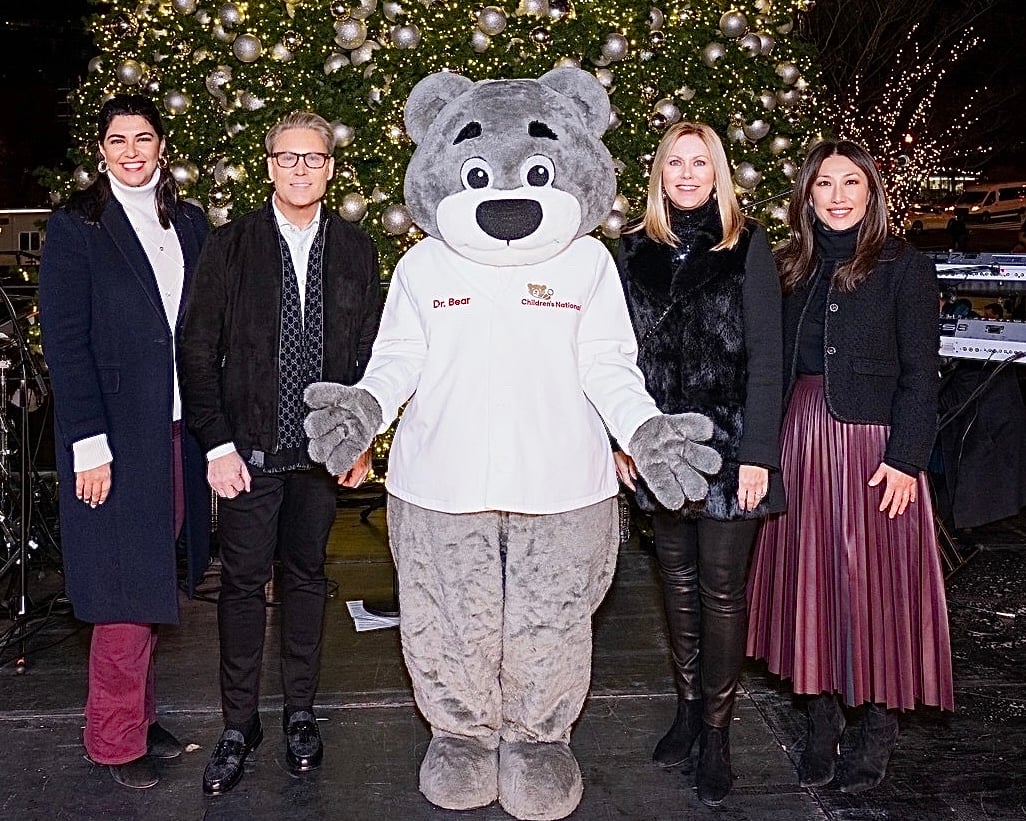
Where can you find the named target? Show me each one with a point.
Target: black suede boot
(826, 723)
(674, 748)
(866, 766)
(714, 778)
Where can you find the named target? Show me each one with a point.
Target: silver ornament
(491, 20)
(251, 102)
(177, 102)
(656, 18)
(479, 41)
(83, 177)
(378, 196)
(215, 82)
(621, 204)
(220, 33)
(767, 99)
(657, 121)
(735, 133)
(712, 52)
(95, 64)
(656, 39)
(756, 130)
(615, 120)
(752, 44)
(350, 33)
(339, 9)
(374, 96)
(541, 35)
(767, 42)
(184, 6)
(184, 172)
(533, 8)
(605, 76)
(353, 207)
(396, 220)
(789, 168)
(219, 197)
(613, 224)
(615, 47)
(335, 62)
(667, 108)
(567, 62)
(391, 11)
(280, 54)
(734, 24)
(619, 166)
(363, 54)
(785, 27)
(234, 128)
(779, 144)
(686, 93)
(344, 134)
(218, 215)
(203, 17)
(747, 176)
(405, 36)
(130, 72)
(788, 98)
(779, 213)
(788, 72)
(229, 14)
(364, 9)
(247, 48)
(558, 9)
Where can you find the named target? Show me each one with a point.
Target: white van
(985, 202)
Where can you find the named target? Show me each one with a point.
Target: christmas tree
(224, 74)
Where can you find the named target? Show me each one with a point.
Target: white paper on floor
(362, 620)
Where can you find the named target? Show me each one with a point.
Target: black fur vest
(686, 306)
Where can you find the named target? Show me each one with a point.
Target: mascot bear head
(509, 172)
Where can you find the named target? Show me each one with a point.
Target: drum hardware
(24, 536)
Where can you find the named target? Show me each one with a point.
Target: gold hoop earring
(162, 161)
(102, 166)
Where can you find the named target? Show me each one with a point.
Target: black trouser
(704, 565)
(292, 511)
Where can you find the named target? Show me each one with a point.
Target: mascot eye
(476, 173)
(537, 171)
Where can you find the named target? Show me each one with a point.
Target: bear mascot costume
(507, 326)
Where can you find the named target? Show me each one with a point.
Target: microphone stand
(20, 605)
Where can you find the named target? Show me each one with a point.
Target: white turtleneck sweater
(164, 253)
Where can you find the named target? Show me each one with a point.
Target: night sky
(44, 50)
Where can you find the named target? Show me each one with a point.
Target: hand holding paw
(341, 425)
(670, 459)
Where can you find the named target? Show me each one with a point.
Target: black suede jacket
(228, 342)
(880, 351)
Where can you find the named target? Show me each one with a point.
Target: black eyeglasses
(289, 159)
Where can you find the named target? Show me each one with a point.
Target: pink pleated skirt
(843, 599)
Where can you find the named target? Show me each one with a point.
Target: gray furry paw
(670, 459)
(341, 425)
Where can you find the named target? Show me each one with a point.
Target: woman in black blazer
(704, 298)
(846, 591)
(116, 265)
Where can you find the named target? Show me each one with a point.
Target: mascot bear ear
(585, 90)
(429, 97)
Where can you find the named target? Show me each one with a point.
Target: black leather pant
(704, 566)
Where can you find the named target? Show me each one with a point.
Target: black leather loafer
(227, 761)
(161, 744)
(139, 774)
(303, 747)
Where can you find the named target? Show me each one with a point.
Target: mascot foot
(538, 781)
(459, 773)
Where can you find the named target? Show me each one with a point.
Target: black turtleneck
(687, 224)
(832, 249)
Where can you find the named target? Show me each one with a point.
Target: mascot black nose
(509, 219)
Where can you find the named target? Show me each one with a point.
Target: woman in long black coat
(116, 266)
(703, 294)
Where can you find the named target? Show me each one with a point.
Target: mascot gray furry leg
(496, 634)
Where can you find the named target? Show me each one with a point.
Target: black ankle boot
(714, 777)
(866, 766)
(826, 723)
(674, 748)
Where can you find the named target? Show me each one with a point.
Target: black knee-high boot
(866, 765)
(826, 723)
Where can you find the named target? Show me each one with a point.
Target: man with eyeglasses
(284, 296)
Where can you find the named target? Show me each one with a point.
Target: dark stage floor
(969, 765)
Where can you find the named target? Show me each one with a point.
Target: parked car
(930, 216)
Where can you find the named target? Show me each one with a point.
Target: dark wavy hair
(795, 257)
(93, 200)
